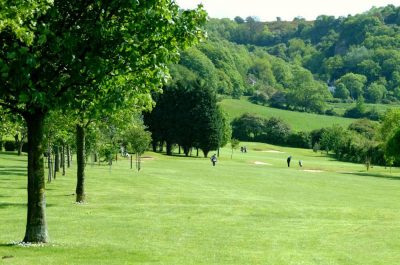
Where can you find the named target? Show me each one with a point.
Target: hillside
(301, 65)
(298, 121)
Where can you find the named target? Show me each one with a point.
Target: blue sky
(268, 10)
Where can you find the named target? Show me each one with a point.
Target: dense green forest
(299, 64)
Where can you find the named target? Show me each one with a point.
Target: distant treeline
(300, 64)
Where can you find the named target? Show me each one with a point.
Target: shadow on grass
(18, 204)
(14, 172)
(11, 204)
(182, 156)
(374, 175)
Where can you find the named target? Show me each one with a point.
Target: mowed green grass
(251, 209)
(340, 108)
(299, 121)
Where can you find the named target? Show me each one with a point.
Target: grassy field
(299, 121)
(251, 209)
(340, 108)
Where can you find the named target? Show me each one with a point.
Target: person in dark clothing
(288, 160)
(213, 159)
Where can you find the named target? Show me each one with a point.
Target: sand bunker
(262, 163)
(312, 170)
(272, 151)
(147, 158)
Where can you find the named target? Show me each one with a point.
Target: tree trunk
(131, 155)
(36, 225)
(63, 159)
(55, 172)
(57, 159)
(138, 159)
(205, 152)
(68, 156)
(49, 165)
(154, 145)
(169, 148)
(20, 144)
(80, 160)
(186, 150)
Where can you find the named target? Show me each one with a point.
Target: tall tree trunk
(20, 144)
(186, 150)
(154, 145)
(63, 159)
(131, 155)
(80, 160)
(68, 156)
(36, 225)
(138, 159)
(57, 158)
(49, 165)
(169, 148)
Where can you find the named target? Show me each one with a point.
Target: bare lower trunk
(68, 156)
(49, 165)
(63, 160)
(131, 160)
(169, 148)
(80, 160)
(36, 225)
(57, 158)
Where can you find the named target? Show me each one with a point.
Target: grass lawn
(299, 121)
(340, 108)
(251, 209)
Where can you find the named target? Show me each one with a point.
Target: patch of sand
(262, 163)
(147, 158)
(272, 151)
(313, 170)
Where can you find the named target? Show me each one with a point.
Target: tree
(341, 91)
(355, 83)
(332, 138)
(393, 146)
(375, 92)
(390, 123)
(234, 145)
(54, 54)
(138, 141)
(247, 127)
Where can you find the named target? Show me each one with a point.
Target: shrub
(299, 139)
(331, 112)
(9, 146)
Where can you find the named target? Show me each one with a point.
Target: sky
(268, 10)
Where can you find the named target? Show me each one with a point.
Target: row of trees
(89, 58)
(187, 114)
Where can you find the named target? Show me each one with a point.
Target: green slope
(298, 121)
